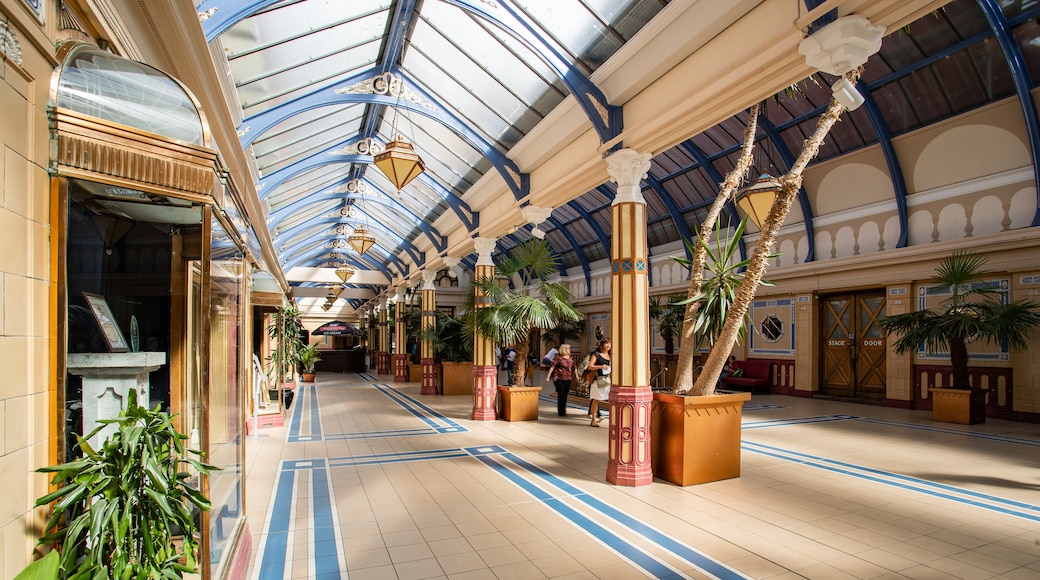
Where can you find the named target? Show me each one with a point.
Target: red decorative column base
(400, 368)
(629, 453)
(430, 376)
(484, 392)
(382, 363)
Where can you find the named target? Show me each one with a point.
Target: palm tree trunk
(520, 362)
(790, 182)
(687, 340)
(959, 362)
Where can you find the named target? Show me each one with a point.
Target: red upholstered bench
(756, 378)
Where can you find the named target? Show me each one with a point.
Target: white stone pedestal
(107, 381)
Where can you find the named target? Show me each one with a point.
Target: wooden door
(852, 361)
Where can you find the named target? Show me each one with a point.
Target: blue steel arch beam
(607, 119)
(312, 255)
(895, 170)
(439, 242)
(673, 211)
(349, 257)
(604, 239)
(287, 211)
(1023, 84)
(585, 269)
(713, 172)
(788, 158)
(319, 224)
(217, 16)
(341, 93)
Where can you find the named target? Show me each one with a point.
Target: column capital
(484, 247)
(452, 264)
(428, 276)
(626, 167)
(534, 214)
(399, 294)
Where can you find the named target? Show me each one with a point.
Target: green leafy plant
(45, 568)
(452, 338)
(535, 303)
(285, 330)
(972, 312)
(119, 508)
(308, 357)
(565, 332)
(723, 276)
(668, 313)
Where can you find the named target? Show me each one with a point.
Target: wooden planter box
(696, 439)
(414, 373)
(457, 378)
(962, 406)
(519, 403)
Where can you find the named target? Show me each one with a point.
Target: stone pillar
(630, 395)
(383, 356)
(400, 338)
(485, 374)
(429, 321)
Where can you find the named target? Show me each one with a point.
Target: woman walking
(561, 372)
(599, 390)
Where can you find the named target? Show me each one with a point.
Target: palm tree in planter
(972, 312)
(668, 312)
(720, 441)
(452, 340)
(535, 303)
(128, 509)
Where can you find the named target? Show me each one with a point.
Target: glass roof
(490, 86)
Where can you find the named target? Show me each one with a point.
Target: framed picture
(103, 315)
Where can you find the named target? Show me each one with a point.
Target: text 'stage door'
(853, 350)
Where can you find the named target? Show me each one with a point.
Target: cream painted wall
(24, 288)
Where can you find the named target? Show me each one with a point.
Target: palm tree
(719, 286)
(668, 313)
(972, 312)
(536, 303)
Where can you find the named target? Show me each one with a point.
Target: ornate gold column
(485, 375)
(429, 321)
(630, 395)
(383, 356)
(373, 348)
(400, 338)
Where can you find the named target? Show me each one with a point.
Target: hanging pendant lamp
(399, 162)
(757, 198)
(344, 272)
(361, 240)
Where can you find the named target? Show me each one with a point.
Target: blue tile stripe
(898, 424)
(434, 419)
(960, 495)
(274, 551)
(704, 563)
(305, 401)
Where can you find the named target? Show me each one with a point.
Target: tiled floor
(369, 479)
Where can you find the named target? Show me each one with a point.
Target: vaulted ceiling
(480, 87)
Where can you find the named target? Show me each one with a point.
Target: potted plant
(973, 311)
(308, 357)
(452, 340)
(675, 453)
(128, 509)
(513, 313)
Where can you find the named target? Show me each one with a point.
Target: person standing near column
(561, 373)
(599, 390)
